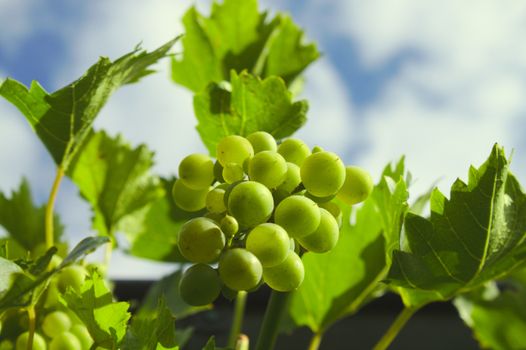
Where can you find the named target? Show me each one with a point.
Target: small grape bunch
(265, 204)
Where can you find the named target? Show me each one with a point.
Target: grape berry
(266, 205)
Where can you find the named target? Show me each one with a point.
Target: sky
(437, 81)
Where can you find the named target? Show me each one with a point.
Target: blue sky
(437, 81)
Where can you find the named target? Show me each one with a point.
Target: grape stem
(242, 342)
(276, 307)
(31, 319)
(49, 226)
(395, 328)
(315, 341)
(239, 310)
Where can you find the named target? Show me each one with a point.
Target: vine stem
(32, 325)
(276, 308)
(49, 237)
(315, 341)
(395, 328)
(239, 310)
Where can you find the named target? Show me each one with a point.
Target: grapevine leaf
(105, 319)
(147, 331)
(236, 36)
(24, 222)
(167, 288)
(84, 247)
(7, 271)
(114, 178)
(475, 236)
(329, 291)
(249, 104)
(64, 118)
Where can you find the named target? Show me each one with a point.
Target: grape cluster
(57, 328)
(265, 204)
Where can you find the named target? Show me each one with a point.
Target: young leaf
(114, 178)
(249, 105)
(24, 222)
(329, 291)
(63, 119)
(498, 319)
(475, 236)
(105, 319)
(215, 45)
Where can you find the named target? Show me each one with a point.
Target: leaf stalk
(276, 307)
(237, 322)
(49, 217)
(395, 328)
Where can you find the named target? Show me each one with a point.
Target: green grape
(286, 276)
(294, 151)
(55, 261)
(98, 267)
(215, 202)
(357, 187)
(298, 215)
(262, 141)
(323, 174)
(319, 200)
(317, 149)
(7, 345)
(188, 199)
(201, 240)
(65, 341)
(279, 195)
(218, 172)
(229, 226)
(251, 203)
(51, 298)
(216, 217)
(268, 168)
(233, 172)
(325, 237)
(228, 293)
(199, 285)
(270, 243)
(23, 339)
(292, 178)
(196, 171)
(239, 269)
(55, 323)
(335, 211)
(72, 276)
(234, 149)
(81, 332)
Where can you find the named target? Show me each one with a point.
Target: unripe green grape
(317, 149)
(357, 187)
(81, 332)
(323, 174)
(215, 217)
(72, 276)
(98, 267)
(286, 276)
(199, 285)
(218, 172)
(325, 237)
(23, 339)
(55, 323)
(292, 178)
(335, 211)
(262, 141)
(196, 171)
(298, 215)
(279, 195)
(317, 199)
(55, 261)
(65, 341)
(239, 269)
(233, 172)
(233, 149)
(251, 203)
(228, 293)
(51, 298)
(270, 243)
(215, 202)
(294, 151)
(268, 168)
(200, 240)
(187, 198)
(229, 226)
(6, 345)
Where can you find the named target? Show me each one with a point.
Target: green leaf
(105, 319)
(153, 231)
(340, 282)
(167, 288)
(24, 222)
(7, 271)
(211, 345)
(114, 178)
(249, 104)
(236, 36)
(147, 331)
(498, 319)
(475, 236)
(64, 118)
